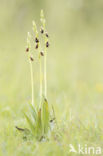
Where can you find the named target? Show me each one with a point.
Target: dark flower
(31, 59)
(41, 53)
(27, 49)
(42, 30)
(36, 47)
(47, 44)
(36, 40)
(46, 34)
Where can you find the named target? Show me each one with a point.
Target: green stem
(45, 74)
(40, 80)
(32, 84)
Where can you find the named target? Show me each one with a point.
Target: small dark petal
(36, 47)
(41, 30)
(27, 49)
(47, 44)
(36, 40)
(31, 59)
(52, 120)
(41, 53)
(47, 35)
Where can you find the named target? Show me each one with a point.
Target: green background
(75, 73)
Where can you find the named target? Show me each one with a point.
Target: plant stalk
(45, 74)
(40, 80)
(32, 84)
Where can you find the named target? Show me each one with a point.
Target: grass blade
(30, 123)
(33, 112)
(45, 116)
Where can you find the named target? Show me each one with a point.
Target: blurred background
(75, 57)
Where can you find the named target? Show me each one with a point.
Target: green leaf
(45, 116)
(33, 112)
(31, 125)
(39, 123)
